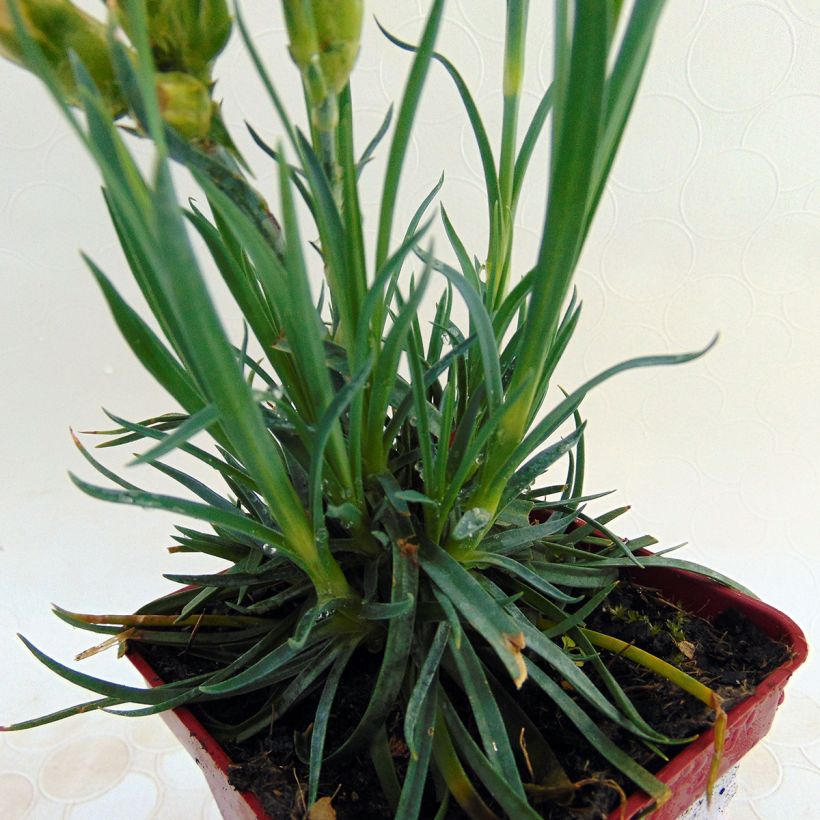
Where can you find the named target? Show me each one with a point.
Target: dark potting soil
(730, 655)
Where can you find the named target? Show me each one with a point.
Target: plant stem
(514, 49)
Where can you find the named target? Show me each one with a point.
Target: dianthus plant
(379, 468)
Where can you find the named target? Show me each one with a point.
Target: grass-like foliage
(378, 468)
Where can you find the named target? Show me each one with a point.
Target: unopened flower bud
(185, 35)
(59, 28)
(339, 26)
(324, 35)
(304, 41)
(185, 104)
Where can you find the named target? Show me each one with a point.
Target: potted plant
(397, 589)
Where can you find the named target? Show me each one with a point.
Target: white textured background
(711, 222)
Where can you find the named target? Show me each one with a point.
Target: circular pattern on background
(740, 57)
(742, 356)
(66, 216)
(41, 738)
(784, 254)
(152, 736)
(665, 494)
(603, 222)
(30, 118)
(17, 794)
(648, 260)
(729, 449)
(482, 17)
(137, 791)
(592, 297)
(808, 12)
(669, 142)
(490, 107)
(767, 487)
(178, 770)
(760, 773)
(812, 752)
(705, 306)
(798, 782)
(713, 530)
(679, 19)
(729, 194)
(459, 44)
(82, 769)
(618, 344)
(695, 398)
(775, 403)
(802, 308)
(786, 131)
(813, 200)
(546, 58)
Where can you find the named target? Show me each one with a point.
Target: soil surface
(730, 655)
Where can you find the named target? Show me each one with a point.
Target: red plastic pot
(749, 721)
(686, 773)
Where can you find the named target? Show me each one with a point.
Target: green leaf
(384, 376)
(483, 328)
(509, 799)
(298, 688)
(414, 496)
(125, 694)
(580, 72)
(275, 662)
(345, 292)
(538, 465)
(622, 88)
(195, 423)
(520, 537)
(562, 411)
(555, 657)
(145, 345)
(395, 655)
(322, 433)
(677, 563)
(368, 152)
(377, 611)
(222, 467)
(426, 677)
(461, 252)
(79, 709)
(490, 724)
(234, 521)
(477, 607)
(514, 567)
(317, 737)
(419, 764)
(529, 142)
(476, 123)
(472, 522)
(404, 125)
(109, 474)
(597, 738)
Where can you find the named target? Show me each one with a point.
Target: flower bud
(59, 28)
(339, 26)
(324, 34)
(185, 35)
(304, 41)
(184, 103)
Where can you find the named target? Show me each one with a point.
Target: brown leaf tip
(516, 644)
